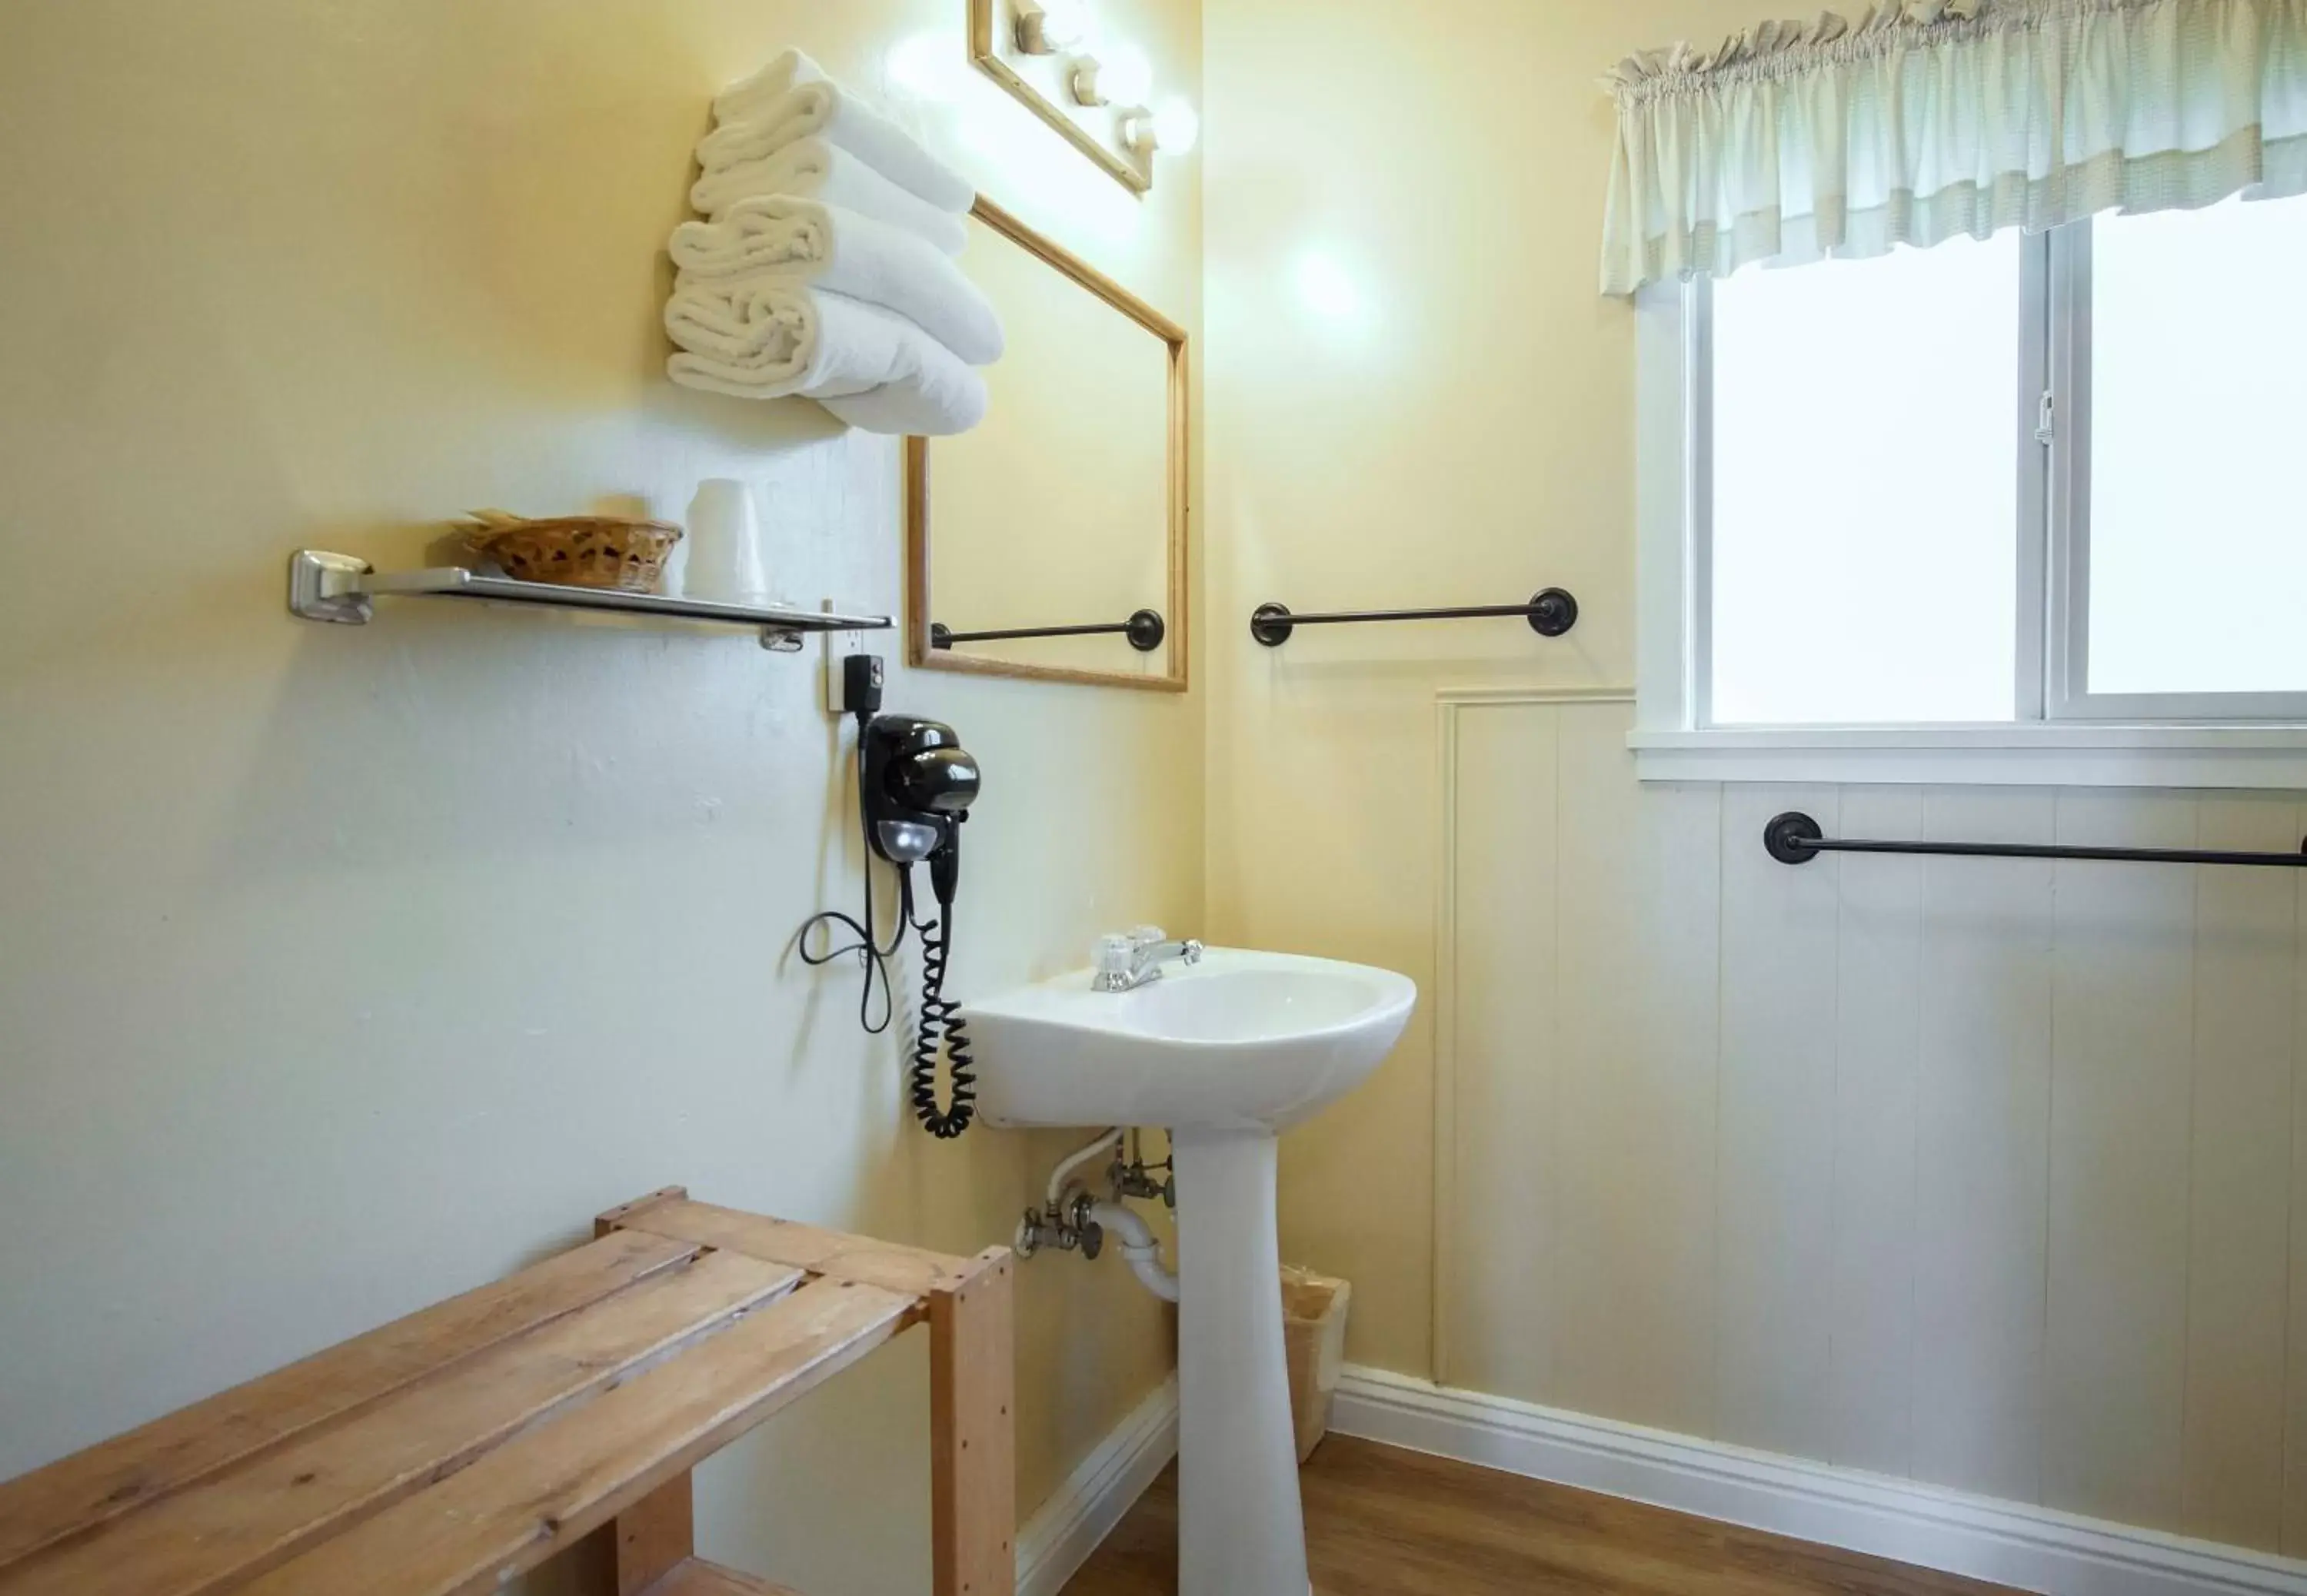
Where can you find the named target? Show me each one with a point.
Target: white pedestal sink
(1224, 1055)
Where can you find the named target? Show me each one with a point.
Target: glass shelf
(342, 588)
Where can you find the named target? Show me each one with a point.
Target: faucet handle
(1146, 936)
(1114, 953)
(1190, 951)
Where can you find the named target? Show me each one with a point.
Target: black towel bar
(1551, 612)
(1795, 839)
(1144, 629)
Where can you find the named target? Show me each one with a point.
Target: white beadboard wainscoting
(1977, 1172)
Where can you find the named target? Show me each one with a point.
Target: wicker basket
(574, 550)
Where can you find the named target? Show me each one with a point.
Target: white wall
(341, 969)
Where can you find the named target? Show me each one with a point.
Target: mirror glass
(1063, 511)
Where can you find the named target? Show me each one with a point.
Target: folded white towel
(801, 241)
(828, 111)
(768, 339)
(813, 169)
(788, 72)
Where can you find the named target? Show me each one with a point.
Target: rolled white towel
(828, 111)
(813, 169)
(801, 240)
(749, 95)
(772, 338)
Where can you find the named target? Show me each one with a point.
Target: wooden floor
(1385, 1523)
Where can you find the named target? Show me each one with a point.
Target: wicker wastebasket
(1314, 1331)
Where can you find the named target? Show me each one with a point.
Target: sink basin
(1241, 1041)
(1222, 1054)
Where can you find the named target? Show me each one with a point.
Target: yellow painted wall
(1416, 397)
(341, 969)
(1978, 1174)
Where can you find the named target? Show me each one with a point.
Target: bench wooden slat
(145, 1464)
(825, 1252)
(212, 1539)
(535, 1495)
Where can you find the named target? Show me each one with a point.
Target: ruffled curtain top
(1929, 118)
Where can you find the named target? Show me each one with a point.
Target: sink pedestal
(1240, 1529)
(1225, 1054)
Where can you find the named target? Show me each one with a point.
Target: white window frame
(2062, 735)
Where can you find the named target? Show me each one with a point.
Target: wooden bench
(468, 1443)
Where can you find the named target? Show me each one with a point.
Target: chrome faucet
(1129, 959)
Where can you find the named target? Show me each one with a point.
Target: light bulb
(1175, 127)
(1065, 23)
(1124, 77)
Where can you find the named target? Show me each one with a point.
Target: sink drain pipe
(1139, 1249)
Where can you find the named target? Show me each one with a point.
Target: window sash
(2051, 657)
(2067, 531)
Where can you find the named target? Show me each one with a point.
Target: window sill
(2269, 757)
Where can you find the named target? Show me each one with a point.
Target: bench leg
(654, 1536)
(972, 1465)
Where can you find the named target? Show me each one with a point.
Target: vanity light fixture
(1171, 127)
(1094, 90)
(1083, 79)
(1048, 27)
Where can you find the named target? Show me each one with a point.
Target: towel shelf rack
(1794, 838)
(1144, 628)
(342, 588)
(1551, 612)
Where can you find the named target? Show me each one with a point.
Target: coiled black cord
(939, 1010)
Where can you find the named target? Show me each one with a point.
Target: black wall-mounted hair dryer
(917, 785)
(914, 785)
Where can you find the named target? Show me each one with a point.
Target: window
(2037, 490)
(1864, 528)
(2190, 544)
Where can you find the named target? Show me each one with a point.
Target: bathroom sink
(1222, 1054)
(1241, 1041)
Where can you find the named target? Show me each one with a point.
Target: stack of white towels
(824, 265)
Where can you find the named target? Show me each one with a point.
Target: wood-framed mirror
(1049, 541)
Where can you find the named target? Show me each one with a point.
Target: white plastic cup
(724, 546)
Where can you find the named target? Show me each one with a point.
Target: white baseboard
(2033, 1549)
(1063, 1531)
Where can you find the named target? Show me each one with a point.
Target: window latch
(2046, 420)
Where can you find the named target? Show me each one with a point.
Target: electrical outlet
(845, 680)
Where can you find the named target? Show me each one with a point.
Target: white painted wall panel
(1878, 1039)
(1982, 1149)
(1774, 1172)
(1634, 1050)
(1975, 1171)
(1502, 881)
(2122, 1021)
(2238, 1250)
